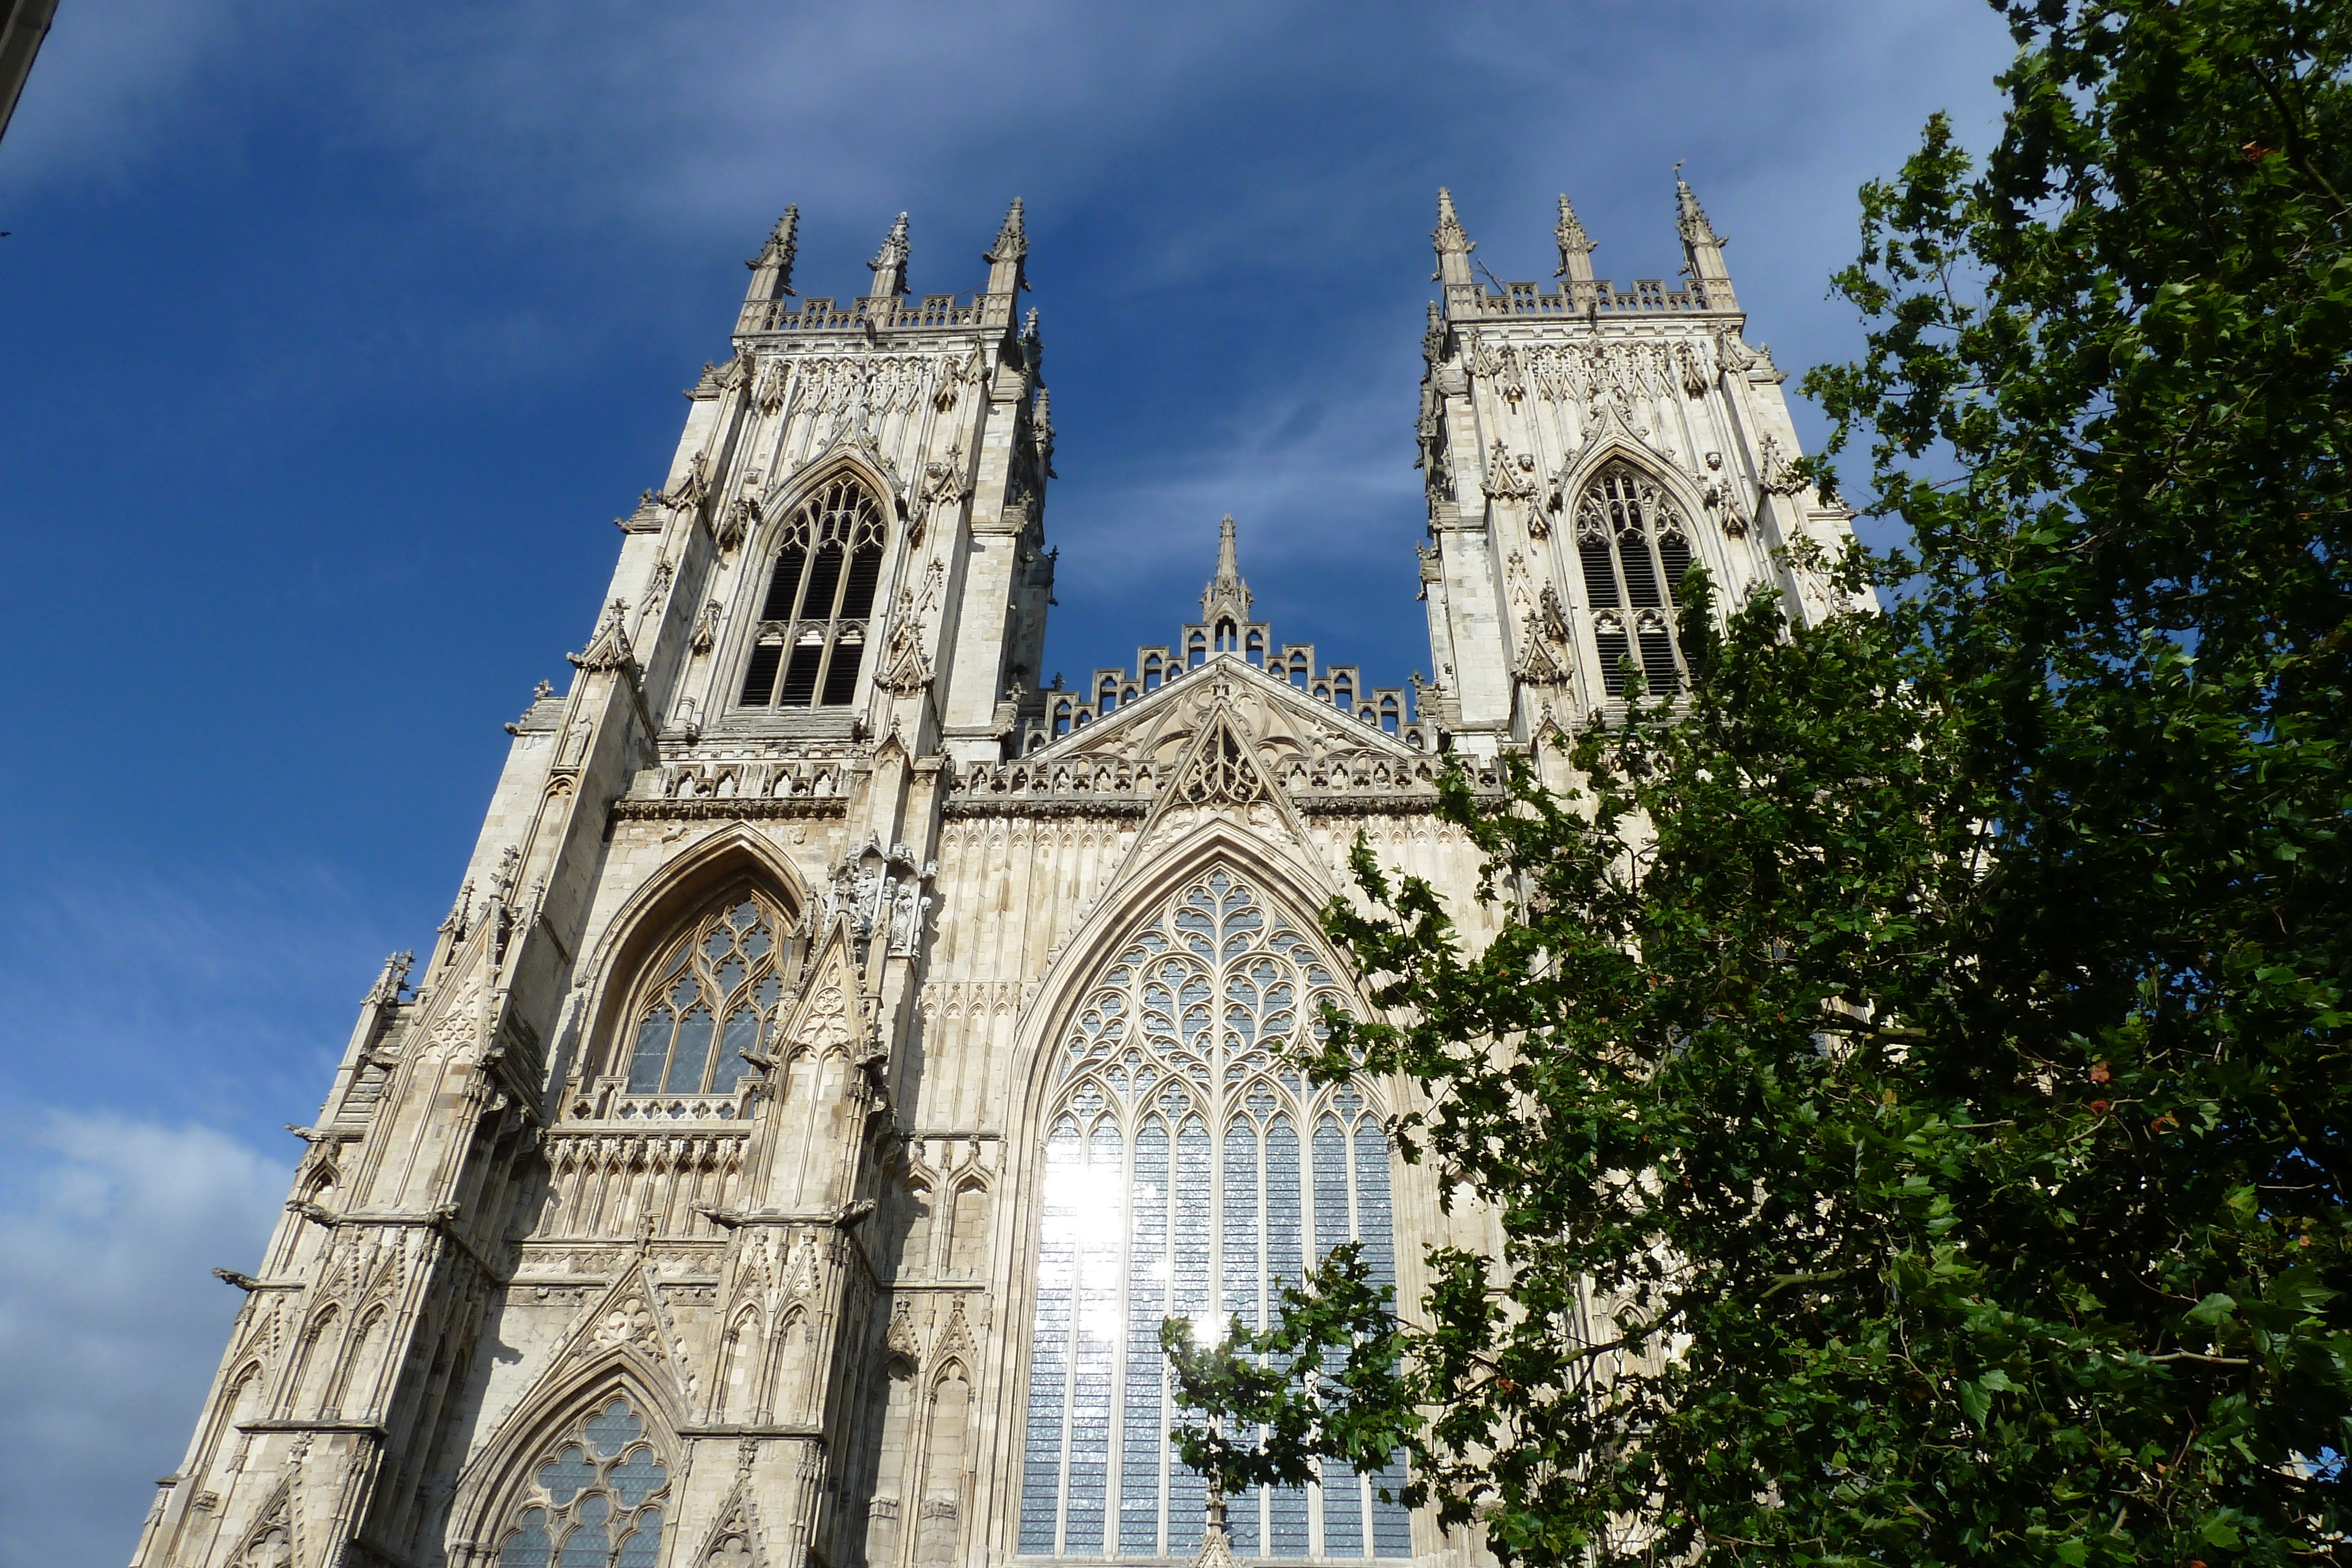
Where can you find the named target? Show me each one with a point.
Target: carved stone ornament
(1777, 474)
(1224, 769)
(705, 631)
(906, 666)
(736, 522)
(1692, 364)
(688, 495)
(1722, 501)
(768, 386)
(609, 649)
(1538, 666)
(628, 1322)
(1513, 479)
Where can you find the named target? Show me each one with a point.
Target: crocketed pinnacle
(783, 244)
(1012, 240)
(1575, 245)
(1448, 235)
(1689, 216)
(1454, 246)
(889, 263)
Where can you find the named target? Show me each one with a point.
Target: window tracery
(1190, 1172)
(596, 1500)
(717, 992)
(812, 622)
(1635, 548)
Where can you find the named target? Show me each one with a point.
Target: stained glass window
(1635, 548)
(715, 995)
(600, 1485)
(1188, 1173)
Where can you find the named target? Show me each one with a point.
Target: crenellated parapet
(1226, 627)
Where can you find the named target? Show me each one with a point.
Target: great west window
(813, 628)
(1188, 1173)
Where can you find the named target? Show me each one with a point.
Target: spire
(1228, 596)
(889, 263)
(772, 272)
(1702, 249)
(1575, 245)
(1454, 246)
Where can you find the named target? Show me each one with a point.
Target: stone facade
(841, 1052)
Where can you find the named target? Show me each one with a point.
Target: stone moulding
(735, 807)
(1014, 806)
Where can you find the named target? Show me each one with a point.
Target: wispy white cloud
(109, 80)
(111, 1322)
(227, 995)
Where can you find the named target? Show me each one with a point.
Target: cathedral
(844, 1050)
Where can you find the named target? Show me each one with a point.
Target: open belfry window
(813, 628)
(1635, 548)
(715, 993)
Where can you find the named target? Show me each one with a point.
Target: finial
(1576, 247)
(1689, 217)
(889, 263)
(1216, 1546)
(1454, 246)
(1012, 240)
(1228, 568)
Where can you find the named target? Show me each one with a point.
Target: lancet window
(1189, 1172)
(595, 1502)
(715, 994)
(1635, 548)
(813, 622)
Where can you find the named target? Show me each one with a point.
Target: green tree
(1913, 1076)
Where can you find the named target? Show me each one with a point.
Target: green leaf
(2214, 1308)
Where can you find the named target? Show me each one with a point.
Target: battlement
(935, 312)
(1225, 628)
(886, 306)
(1582, 297)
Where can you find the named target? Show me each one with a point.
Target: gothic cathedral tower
(842, 1052)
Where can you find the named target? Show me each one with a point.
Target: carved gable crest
(826, 1021)
(1223, 769)
(735, 1540)
(630, 1319)
(269, 1543)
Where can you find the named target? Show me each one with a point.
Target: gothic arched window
(1189, 1172)
(595, 1502)
(812, 623)
(1635, 548)
(715, 993)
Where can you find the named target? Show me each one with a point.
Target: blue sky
(336, 333)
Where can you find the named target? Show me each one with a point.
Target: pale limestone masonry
(841, 1052)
